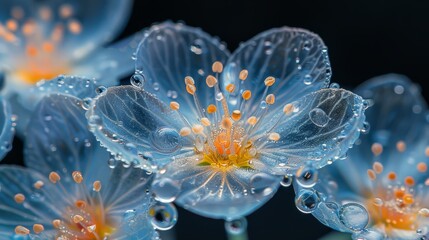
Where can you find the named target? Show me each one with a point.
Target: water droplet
(197, 46)
(308, 80)
(165, 140)
(47, 117)
(130, 213)
(137, 80)
(319, 117)
(112, 163)
(219, 96)
(354, 216)
(262, 184)
(368, 234)
(155, 86)
(307, 201)
(263, 105)
(334, 85)
(165, 190)
(100, 90)
(286, 181)
(365, 104)
(236, 227)
(306, 176)
(365, 127)
(398, 89)
(86, 103)
(306, 46)
(163, 216)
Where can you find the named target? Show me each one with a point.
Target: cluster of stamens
(395, 204)
(39, 41)
(222, 136)
(84, 218)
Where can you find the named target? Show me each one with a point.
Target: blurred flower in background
(40, 40)
(222, 138)
(381, 190)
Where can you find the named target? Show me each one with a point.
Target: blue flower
(41, 40)
(69, 191)
(221, 131)
(380, 191)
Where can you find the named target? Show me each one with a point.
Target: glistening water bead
(307, 200)
(354, 216)
(163, 216)
(165, 140)
(165, 190)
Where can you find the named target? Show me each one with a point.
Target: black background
(364, 38)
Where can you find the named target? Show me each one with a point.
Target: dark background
(365, 39)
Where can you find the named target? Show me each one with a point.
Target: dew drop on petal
(163, 216)
(354, 216)
(165, 190)
(334, 85)
(368, 234)
(319, 117)
(365, 127)
(137, 80)
(112, 163)
(86, 103)
(236, 227)
(165, 140)
(100, 90)
(306, 176)
(308, 80)
(261, 184)
(286, 181)
(307, 201)
(197, 46)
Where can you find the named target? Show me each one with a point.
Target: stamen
(211, 109)
(211, 81)
(66, 11)
(376, 149)
(391, 176)
(270, 99)
(274, 136)
(189, 80)
(28, 28)
(19, 198)
(243, 74)
(80, 204)
(38, 185)
(226, 123)
(75, 27)
(288, 108)
(174, 106)
(20, 230)
(77, 218)
(371, 174)
(54, 177)
(38, 228)
(252, 120)
(205, 121)
(45, 13)
(230, 87)
(408, 199)
(269, 81)
(236, 115)
(217, 67)
(12, 25)
(17, 12)
(48, 47)
(197, 129)
(191, 89)
(56, 223)
(185, 131)
(422, 167)
(401, 146)
(31, 51)
(246, 95)
(96, 186)
(77, 176)
(409, 181)
(378, 167)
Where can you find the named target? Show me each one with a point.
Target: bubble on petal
(308, 80)
(99, 90)
(365, 127)
(261, 184)
(165, 189)
(368, 234)
(165, 140)
(354, 216)
(334, 85)
(319, 117)
(197, 46)
(236, 227)
(137, 80)
(306, 176)
(86, 103)
(286, 181)
(163, 216)
(307, 200)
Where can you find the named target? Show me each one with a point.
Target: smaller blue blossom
(221, 131)
(380, 191)
(69, 191)
(43, 39)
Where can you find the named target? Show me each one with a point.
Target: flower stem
(236, 229)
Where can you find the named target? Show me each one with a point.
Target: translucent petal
(297, 58)
(136, 226)
(168, 53)
(84, 25)
(397, 113)
(319, 128)
(137, 127)
(108, 65)
(40, 206)
(217, 194)
(7, 128)
(58, 140)
(25, 102)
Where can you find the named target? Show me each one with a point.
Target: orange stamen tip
(56, 223)
(189, 80)
(422, 167)
(252, 120)
(96, 186)
(217, 67)
(371, 174)
(246, 95)
(288, 109)
(205, 121)
(409, 181)
(174, 106)
(197, 129)
(401, 146)
(274, 136)
(191, 89)
(378, 167)
(38, 228)
(377, 149)
(236, 115)
(38, 185)
(211, 109)
(20, 230)
(77, 176)
(54, 177)
(269, 81)
(185, 131)
(243, 74)
(211, 81)
(270, 99)
(391, 176)
(19, 198)
(230, 87)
